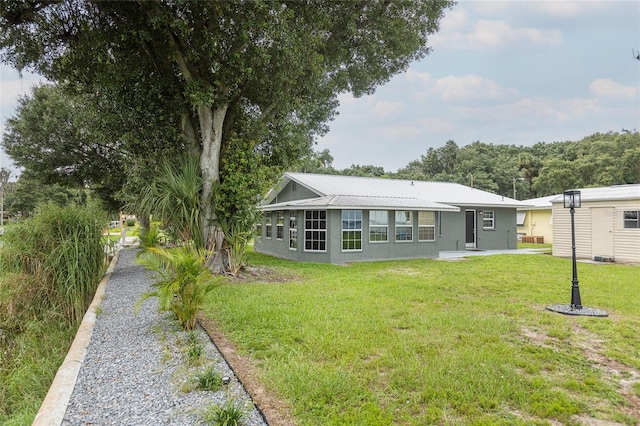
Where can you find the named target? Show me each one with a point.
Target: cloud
(607, 88)
(399, 132)
(495, 34)
(383, 109)
(471, 87)
(419, 77)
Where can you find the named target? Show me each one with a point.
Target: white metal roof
(606, 193)
(540, 203)
(351, 191)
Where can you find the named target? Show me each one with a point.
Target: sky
(501, 72)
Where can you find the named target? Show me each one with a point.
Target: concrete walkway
(459, 254)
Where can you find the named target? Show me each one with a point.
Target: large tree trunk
(211, 121)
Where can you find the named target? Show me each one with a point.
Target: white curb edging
(54, 406)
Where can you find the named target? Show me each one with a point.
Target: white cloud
(383, 109)
(419, 77)
(471, 87)
(494, 34)
(437, 124)
(399, 132)
(607, 88)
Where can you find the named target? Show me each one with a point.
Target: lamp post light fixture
(572, 201)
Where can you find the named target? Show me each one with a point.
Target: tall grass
(50, 266)
(55, 259)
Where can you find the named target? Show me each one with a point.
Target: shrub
(54, 261)
(184, 281)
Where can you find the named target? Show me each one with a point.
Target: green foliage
(209, 380)
(183, 281)
(151, 237)
(174, 198)
(54, 261)
(244, 180)
(195, 349)
(228, 414)
(404, 342)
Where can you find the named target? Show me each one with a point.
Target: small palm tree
(184, 281)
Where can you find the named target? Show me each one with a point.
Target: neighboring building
(536, 220)
(607, 225)
(338, 219)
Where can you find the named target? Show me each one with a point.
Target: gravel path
(136, 370)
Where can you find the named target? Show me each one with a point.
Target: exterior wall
(449, 235)
(293, 191)
(370, 250)
(503, 236)
(626, 242)
(538, 223)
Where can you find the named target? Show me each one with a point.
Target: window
(258, 229)
(315, 230)
(293, 231)
(268, 225)
(280, 225)
(488, 219)
(404, 226)
(632, 218)
(378, 226)
(351, 230)
(426, 226)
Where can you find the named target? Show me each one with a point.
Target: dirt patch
(275, 410)
(250, 274)
(622, 375)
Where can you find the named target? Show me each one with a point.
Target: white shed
(607, 225)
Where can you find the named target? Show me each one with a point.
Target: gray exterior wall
(449, 235)
(293, 191)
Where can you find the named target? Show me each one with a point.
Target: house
(536, 220)
(607, 225)
(338, 219)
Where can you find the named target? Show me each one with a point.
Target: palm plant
(183, 283)
(238, 231)
(174, 198)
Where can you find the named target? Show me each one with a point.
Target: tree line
(545, 168)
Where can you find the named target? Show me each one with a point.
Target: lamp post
(572, 202)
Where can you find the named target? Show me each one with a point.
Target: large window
(267, 225)
(351, 230)
(378, 226)
(279, 225)
(293, 231)
(426, 226)
(315, 230)
(258, 230)
(404, 226)
(488, 219)
(632, 218)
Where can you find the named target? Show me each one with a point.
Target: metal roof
(541, 203)
(606, 193)
(351, 191)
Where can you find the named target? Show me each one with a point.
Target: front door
(602, 232)
(470, 228)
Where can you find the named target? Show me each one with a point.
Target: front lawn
(440, 342)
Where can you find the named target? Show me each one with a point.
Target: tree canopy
(264, 71)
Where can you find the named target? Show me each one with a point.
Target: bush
(53, 262)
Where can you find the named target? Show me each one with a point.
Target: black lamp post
(572, 201)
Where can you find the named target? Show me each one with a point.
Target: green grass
(433, 342)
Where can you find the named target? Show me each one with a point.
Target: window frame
(399, 225)
(280, 225)
(431, 226)
(353, 230)
(635, 221)
(372, 225)
(268, 225)
(319, 230)
(492, 219)
(293, 230)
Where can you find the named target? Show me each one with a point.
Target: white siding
(626, 241)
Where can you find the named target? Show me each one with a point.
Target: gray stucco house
(339, 219)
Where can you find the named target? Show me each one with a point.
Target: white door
(602, 232)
